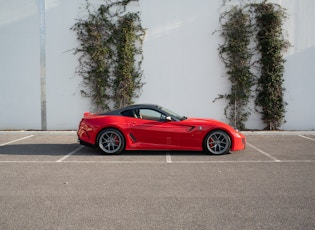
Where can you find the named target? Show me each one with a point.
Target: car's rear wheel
(111, 141)
(217, 142)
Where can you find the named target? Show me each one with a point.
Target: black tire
(217, 142)
(110, 141)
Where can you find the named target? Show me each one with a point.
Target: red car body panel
(143, 134)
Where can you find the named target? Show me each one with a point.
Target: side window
(127, 113)
(153, 115)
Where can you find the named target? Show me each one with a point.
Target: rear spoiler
(87, 114)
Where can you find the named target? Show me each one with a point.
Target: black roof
(131, 107)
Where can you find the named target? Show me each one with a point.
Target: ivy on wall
(110, 54)
(270, 44)
(236, 55)
(259, 24)
(128, 40)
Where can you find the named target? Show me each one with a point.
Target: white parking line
(168, 157)
(69, 154)
(236, 162)
(307, 137)
(20, 139)
(159, 162)
(263, 152)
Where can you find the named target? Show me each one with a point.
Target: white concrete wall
(181, 64)
(19, 65)
(300, 68)
(20, 105)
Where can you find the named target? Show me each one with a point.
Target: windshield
(173, 115)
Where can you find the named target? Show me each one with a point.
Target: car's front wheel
(217, 142)
(111, 141)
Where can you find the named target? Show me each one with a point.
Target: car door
(153, 130)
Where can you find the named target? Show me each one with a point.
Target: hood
(202, 120)
(206, 122)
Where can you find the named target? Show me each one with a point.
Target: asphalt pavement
(48, 181)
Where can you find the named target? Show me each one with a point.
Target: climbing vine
(270, 44)
(254, 31)
(236, 55)
(128, 35)
(110, 48)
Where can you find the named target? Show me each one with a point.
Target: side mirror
(168, 118)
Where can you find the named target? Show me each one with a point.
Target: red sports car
(152, 127)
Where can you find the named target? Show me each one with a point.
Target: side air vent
(132, 137)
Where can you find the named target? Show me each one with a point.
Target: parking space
(36, 146)
(49, 181)
(7, 138)
(286, 147)
(63, 147)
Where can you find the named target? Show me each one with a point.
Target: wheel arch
(110, 127)
(217, 129)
